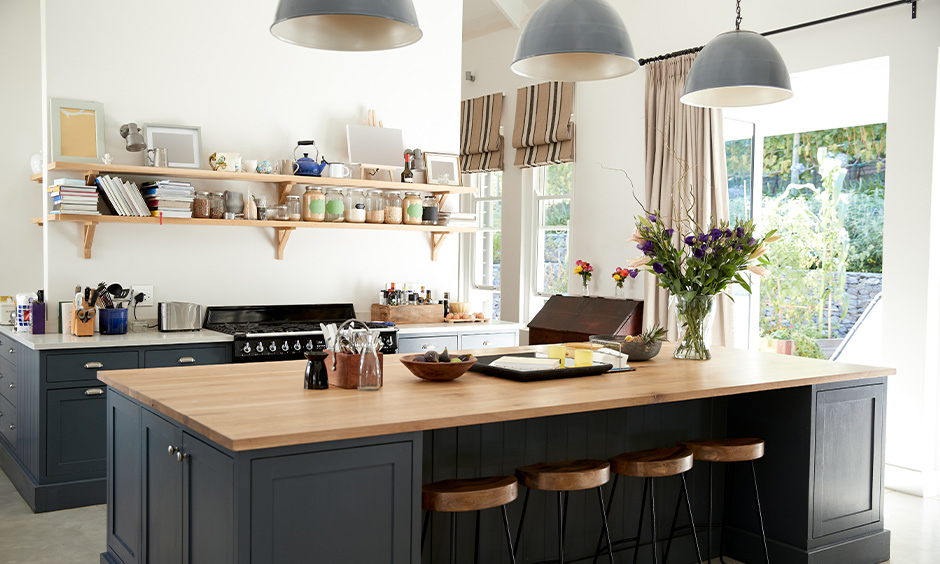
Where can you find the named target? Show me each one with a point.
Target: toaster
(179, 316)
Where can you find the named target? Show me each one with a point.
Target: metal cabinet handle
(12, 385)
(488, 343)
(171, 450)
(428, 347)
(181, 456)
(12, 427)
(94, 392)
(92, 365)
(12, 351)
(186, 360)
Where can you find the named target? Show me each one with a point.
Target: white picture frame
(183, 143)
(442, 163)
(77, 130)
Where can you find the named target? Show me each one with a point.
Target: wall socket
(147, 291)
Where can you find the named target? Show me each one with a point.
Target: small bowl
(637, 351)
(459, 307)
(437, 371)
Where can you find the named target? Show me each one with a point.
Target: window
(487, 241)
(553, 208)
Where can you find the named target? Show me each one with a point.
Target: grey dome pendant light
(736, 69)
(347, 25)
(574, 40)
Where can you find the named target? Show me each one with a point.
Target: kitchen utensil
(250, 165)
(230, 162)
(234, 201)
(156, 157)
(118, 291)
(460, 307)
(334, 170)
(105, 296)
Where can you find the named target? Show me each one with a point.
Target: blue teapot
(307, 166)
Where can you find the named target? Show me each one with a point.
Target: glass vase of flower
(696, 265)
(584, 270)
(619, 276)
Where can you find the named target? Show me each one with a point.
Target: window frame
(538, 229)
(475, 251)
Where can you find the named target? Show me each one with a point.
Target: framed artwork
(442, 168)
(182, 143)
(77, 130)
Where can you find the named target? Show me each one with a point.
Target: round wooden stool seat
(653, 463)
(726, 450)
(471, 494)
(570, 475)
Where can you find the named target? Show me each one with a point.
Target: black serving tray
(483, 366)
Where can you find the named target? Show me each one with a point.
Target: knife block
(346, 374)
(83, 328)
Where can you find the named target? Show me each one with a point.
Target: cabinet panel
(354, 505)
(163, 493)
(848, 459)
(75, 431)
(8, 421)
(420, 344)
(8, 381)
(186, 356)
(487, 340)
(8, 349)
(85, 365)
(209, 519)
(124, 478)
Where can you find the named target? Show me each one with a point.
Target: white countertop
(476, 327)
(149, 338)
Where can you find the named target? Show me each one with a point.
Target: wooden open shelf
(284, 183)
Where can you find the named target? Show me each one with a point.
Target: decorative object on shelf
(575, 40)
(347, 25)
(443, 168)
(737, 68)
(265, 167)
(77, 130)
(106, 159)
(644, 346)
(619, 276)
(135, 141)
(182, 143)
(584, 270)
(36, 162)
(696, 267)
(229, 162)
(157, 157)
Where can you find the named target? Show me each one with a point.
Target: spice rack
(283, 183)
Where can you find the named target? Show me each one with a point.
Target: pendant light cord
(737, 20)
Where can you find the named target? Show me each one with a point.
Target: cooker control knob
(285, 347)
(246, 349)
(260, 347)
(309, 345)
(272, 347)
(297, 346)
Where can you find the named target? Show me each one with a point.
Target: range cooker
(285, 332)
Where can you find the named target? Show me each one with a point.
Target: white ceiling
(481, 17)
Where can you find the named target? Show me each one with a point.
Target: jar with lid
(201, 205)
(278, 212)
(216, 205)
(356, 206)
(412, 208)
(293, 208)
(335, 205)
(375, 206)
(429, 209)
(393, 208)
(314, 204)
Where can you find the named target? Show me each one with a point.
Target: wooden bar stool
(649, 464)
(469, 494)
(729, 450)
(564, 477)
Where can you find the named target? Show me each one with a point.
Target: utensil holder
(82, 328)
(113, 321)
(346, 373)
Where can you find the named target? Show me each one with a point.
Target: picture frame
(77, 130)
(183, 143)
(442, 163)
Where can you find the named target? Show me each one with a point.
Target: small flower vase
(694, 317)
(585, 291)
(618, 291)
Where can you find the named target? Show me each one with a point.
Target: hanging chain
(737, 20)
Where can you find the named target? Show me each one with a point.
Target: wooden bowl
(437, 371)
(459, 307)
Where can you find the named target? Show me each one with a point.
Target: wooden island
(238, 463)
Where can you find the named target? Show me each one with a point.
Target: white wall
(20, 138)
(216, 65)
(609, 117)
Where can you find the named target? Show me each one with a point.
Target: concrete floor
(77, 536)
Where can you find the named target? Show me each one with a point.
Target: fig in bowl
(436, 366)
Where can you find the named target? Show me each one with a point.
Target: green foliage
(739, 158)
(558, 182)
(864, 223)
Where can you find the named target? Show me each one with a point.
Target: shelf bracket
(90, 176)
(283, 190)
(440, 200)
(283, 234)
(88, 238)
(437, 239)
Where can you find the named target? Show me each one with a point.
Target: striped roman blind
(481, 145)
(543, 132)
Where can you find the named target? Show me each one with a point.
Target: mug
(286, 166)
(250, 165)
(230, 162)
(234, 202)
(156, 157)
(336, 170)
(265, 167)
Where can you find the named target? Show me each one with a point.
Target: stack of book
(169, 198)
(71, 196)
(123, 198)
(457, 219)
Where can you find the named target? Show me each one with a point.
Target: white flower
(638, 262)
(758, 270)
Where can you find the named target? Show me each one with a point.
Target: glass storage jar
(393, 208)
(335, 205)
(201, 205)
(216, 205)
(356, 206)
(412, 208)
(314, 205)
(429, 210)
(278, 212)
(375, 206)
(293, 208)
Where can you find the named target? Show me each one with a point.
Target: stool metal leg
(512, 553)
(708, 541)
(610, 504)
(672, 529)
(639, 528)
(760, 515)
(610, 547)
(424, 528)
(525, 505)
(453, 538)
(684, 492)
(476, 541)
(653, 520)
(561, 527)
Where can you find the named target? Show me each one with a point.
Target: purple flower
(690, 240)
(699, 252)
(647, 247)
(658, 268)
(716, 234)
(669, 232)
(751, 241)
(739, 248)
(634, 272)
(727, 233)
(703, 237)
(739, 232)
(652, 217)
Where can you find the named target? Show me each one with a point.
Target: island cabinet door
(124, 482)
(208, 502)
(75, 432)
(163, 491)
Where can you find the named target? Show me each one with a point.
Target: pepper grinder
(315, 376)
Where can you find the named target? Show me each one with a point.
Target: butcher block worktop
(252, 406)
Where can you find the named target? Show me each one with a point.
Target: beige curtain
(685, 169)
(543, 132)
(481, 145)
